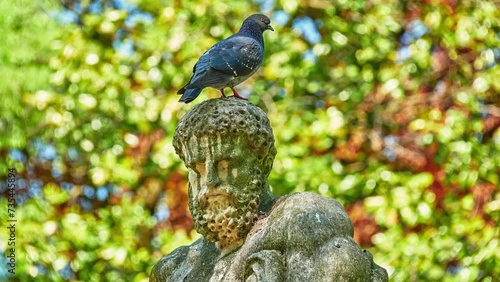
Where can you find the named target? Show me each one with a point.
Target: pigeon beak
(270, 27)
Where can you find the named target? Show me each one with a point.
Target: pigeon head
(258, 20)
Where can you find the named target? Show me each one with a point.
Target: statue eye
(200, 168)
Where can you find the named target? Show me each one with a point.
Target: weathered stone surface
(228, 147)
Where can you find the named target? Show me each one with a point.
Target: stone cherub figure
(228, 147)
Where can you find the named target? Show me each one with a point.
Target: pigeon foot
(238, 95)
(222, 92)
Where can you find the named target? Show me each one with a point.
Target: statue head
(227, 145)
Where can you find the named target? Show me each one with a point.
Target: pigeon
(230, 61)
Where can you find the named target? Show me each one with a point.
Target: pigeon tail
(190, 94)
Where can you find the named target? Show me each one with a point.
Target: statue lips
(216, 198)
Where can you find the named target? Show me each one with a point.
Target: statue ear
(266, 265)
(268, 161)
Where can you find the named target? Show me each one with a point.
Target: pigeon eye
(261, 19)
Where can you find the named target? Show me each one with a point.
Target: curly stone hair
(230, 118)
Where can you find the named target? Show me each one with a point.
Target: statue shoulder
(309, 215)
(314, 237)
(186, 263)
(167, 265)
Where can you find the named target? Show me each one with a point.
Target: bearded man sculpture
(228, 147)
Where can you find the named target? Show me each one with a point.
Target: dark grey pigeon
(230, 61)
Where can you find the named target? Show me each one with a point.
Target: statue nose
(213, 179)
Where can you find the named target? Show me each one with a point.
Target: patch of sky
(56, 173)
(123, 5)
(35, 188)
(491, 62)
(282, 92)
(124, 47)
(44, 151)
(17, 155)
(88, 191)
(309, 56)
(67, 273)
(20, 198)
(414, 31)
(404, 53)
(3, 270)
(66, 186)
(280, 17)
(136, 17)
(102, 193)
(320, 104)
(307, 29)
(440, 88)
(265, 5)
(95, 7)
(162, 212)
(72, 154)
(86, 204)
(65, 16)
(390, 141)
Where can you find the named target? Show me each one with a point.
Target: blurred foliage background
(390, 107)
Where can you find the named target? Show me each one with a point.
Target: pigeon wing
(237, 56)
(204, 75)
(233, 57)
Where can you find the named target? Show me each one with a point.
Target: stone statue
(228, 147)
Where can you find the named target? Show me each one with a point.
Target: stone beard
(227, 217)
(224, 189)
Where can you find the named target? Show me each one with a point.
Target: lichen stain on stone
(206, 145)
(223, 168)
(219, 143)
